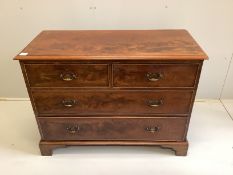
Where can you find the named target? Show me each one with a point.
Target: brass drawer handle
(68, 76)
(68, 103)
(154, 76)
(153, 129)
(155, 103)
(73, 129)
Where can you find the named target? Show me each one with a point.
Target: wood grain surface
(172, 129)
(113, 44)
(107, 102)
(53, 75)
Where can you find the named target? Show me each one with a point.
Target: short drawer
(151, 129)
(107, 102)
(67, 75)
(154, 75)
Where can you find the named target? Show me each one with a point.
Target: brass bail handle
(153, 129)
(68, 76)
(73, 129)
(68, 103)
(155, 102)
(154, 76)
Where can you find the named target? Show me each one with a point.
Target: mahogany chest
(126, 87)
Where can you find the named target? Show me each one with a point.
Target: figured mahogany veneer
(112, 87)
(171, 75)
(112, 102)
(140, 129)
(113, 45)
(87, 75)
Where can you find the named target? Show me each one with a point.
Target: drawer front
(74, 102)
(153, 129)
(154, 75)
(67, 75)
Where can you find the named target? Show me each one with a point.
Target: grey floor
(210, 152)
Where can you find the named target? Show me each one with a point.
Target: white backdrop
(209, 21)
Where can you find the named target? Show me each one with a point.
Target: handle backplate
(72, 129)
(68, 76)
(68, 103)
(153, 129)
(155, 102)
(154, 76)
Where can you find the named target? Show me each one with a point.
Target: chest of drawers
(112, 87)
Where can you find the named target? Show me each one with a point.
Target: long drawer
(67, 75)
(148, 129)
(110, 102)
(155, 75)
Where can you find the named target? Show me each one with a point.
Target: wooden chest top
(113, 45)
